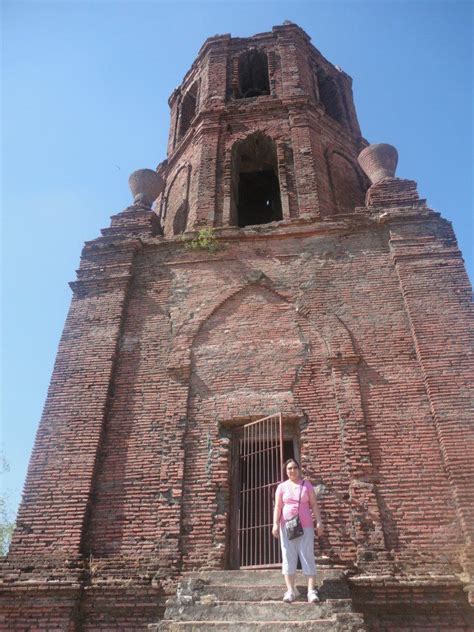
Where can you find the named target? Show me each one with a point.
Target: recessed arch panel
(346, 182)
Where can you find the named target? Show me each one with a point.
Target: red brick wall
(57, 490)
(235, 318)
(437, 296)
(39, 608)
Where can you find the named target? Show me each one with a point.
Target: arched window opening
(175, 213)
(187, 110)
(256, 189)
(253, 74)
(180, 219)
(330, 97)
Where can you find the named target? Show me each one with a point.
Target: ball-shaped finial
(379, 161)
(145, 185)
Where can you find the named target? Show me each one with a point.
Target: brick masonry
(352, 320)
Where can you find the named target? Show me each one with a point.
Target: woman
(287, 505)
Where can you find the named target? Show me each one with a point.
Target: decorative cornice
(96, 285)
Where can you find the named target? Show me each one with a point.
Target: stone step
(350, 622)
(328, 590)
(210, 609)
(262, 577)
(252, 600)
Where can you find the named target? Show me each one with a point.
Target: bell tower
(262, 129)
(272, 281)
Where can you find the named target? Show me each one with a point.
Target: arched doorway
(260, 449)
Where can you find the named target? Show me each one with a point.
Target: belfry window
(187, 110)
(256, 189)
(253, 74)
(330, 97)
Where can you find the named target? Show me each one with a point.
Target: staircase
(252, 600)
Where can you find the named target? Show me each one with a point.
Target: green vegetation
(204, 240)
(7, 524)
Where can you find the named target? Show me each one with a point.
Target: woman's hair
(291, 461)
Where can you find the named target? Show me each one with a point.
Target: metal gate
(260, 470)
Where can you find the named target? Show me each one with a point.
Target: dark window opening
(259, 198)
(330, 97)
(187, 110)
(253, 74)
(256, 189)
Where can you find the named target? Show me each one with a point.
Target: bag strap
(299, 499)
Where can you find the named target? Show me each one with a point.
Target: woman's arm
(277, 515)
(316, 513)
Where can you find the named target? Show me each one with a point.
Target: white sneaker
(289, 596)
(313, 596)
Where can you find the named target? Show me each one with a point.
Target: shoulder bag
(293, 526)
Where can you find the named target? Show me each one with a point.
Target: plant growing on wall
(204, 240)
(7, 523)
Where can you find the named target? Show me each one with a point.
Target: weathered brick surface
(352, 320)
(40, 607)
(63, 461)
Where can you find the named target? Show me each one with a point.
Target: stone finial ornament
(379, 161)
(145, 185)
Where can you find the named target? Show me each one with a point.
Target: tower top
(263, 129)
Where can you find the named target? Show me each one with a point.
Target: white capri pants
(302, 547)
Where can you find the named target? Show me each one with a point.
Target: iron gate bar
(272, 466)
(261, 466)
(264, 491)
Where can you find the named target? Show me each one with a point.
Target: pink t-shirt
(289, 493)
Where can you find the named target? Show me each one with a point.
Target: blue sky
(84, 103)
